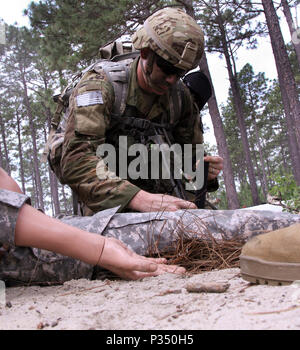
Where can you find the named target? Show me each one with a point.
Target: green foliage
(26, 106)
(219, 198)
(73, 31)
(286, 190)
(266, 130)
(244, 195)
(231, 19)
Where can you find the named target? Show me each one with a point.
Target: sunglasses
(167, 68)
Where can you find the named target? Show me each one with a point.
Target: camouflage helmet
(174, 36)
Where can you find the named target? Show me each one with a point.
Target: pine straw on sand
(198, 254)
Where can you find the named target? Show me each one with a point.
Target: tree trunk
(242, 172)
(34, 146)
(1, 158)
(34, 197)
(67, 211)
(231, 194)
(52, 176)
(7, 162)
(284, 162)
(54, 192)
(238, 106)
(292, 27)
(257, 167)
(287, 85)
(262, 168)
(20, 154)
(292, 141)
(285, 144)
(270, 173)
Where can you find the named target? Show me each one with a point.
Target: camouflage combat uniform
(142, 232)
(90, 126)
(22, 265)
(96, 111)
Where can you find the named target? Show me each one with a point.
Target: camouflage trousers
(144, 233)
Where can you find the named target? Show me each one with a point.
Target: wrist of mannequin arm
(35, 229)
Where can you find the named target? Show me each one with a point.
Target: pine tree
(73, 31)
(231, 194)
(292, 27)
(228, 27)
(287, 84)
(253, 89)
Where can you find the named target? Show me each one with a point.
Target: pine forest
(257, 128)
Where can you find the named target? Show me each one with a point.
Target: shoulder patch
(89, 98)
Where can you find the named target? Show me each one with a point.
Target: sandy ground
(157, 303)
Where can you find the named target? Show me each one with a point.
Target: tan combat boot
(273, 257)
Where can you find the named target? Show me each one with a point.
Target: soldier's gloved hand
(121, 260)
(148, 202)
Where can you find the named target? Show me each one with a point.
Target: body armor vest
(125, 120)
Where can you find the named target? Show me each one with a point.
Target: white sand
(153, 303)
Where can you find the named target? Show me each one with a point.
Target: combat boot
(273, 257)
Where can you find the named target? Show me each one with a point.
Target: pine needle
(199, 254)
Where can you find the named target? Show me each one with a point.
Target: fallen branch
(208, 287)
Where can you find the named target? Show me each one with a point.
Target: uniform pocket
(91, 103)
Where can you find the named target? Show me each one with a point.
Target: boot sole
(260, 271)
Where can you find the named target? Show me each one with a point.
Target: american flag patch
(89, 98)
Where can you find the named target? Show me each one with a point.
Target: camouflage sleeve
(90, 107)
(10, 204)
